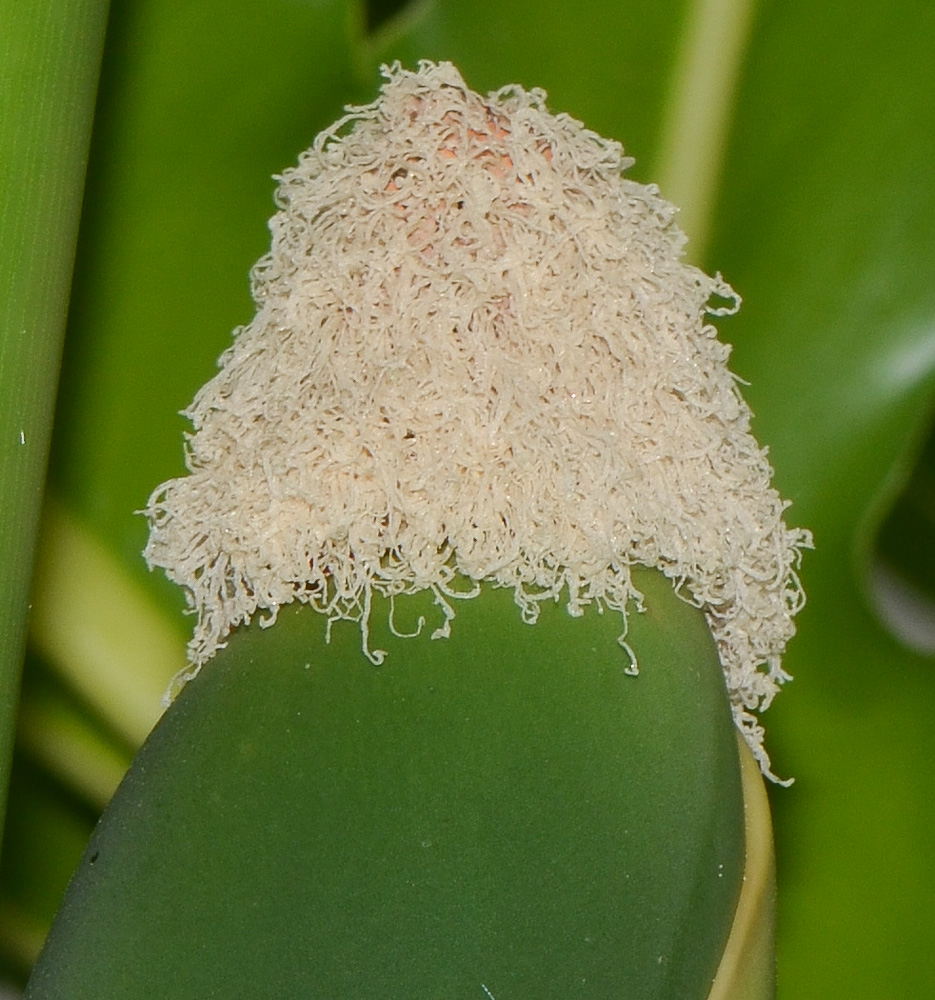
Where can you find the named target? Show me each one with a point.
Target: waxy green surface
(504, 808)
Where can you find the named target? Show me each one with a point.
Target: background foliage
(820, 210)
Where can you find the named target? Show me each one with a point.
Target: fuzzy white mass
(478, 353)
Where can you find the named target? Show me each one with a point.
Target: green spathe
(504, 808)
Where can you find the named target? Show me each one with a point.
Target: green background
(821, 215)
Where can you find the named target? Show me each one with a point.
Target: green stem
(50, 53)
(700, 104)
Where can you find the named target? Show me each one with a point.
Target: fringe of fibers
(478, 353)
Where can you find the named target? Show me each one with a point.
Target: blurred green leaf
(107, 640)
(827, 228)
(68, 740)
(45, 835)
(906, 545)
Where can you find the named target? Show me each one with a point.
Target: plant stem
(700, 104)
(50, 53)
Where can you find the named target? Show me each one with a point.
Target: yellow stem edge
(748, 966)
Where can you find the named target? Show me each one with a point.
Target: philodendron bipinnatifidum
(480, 460)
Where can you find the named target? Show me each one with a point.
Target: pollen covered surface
(478, 354)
